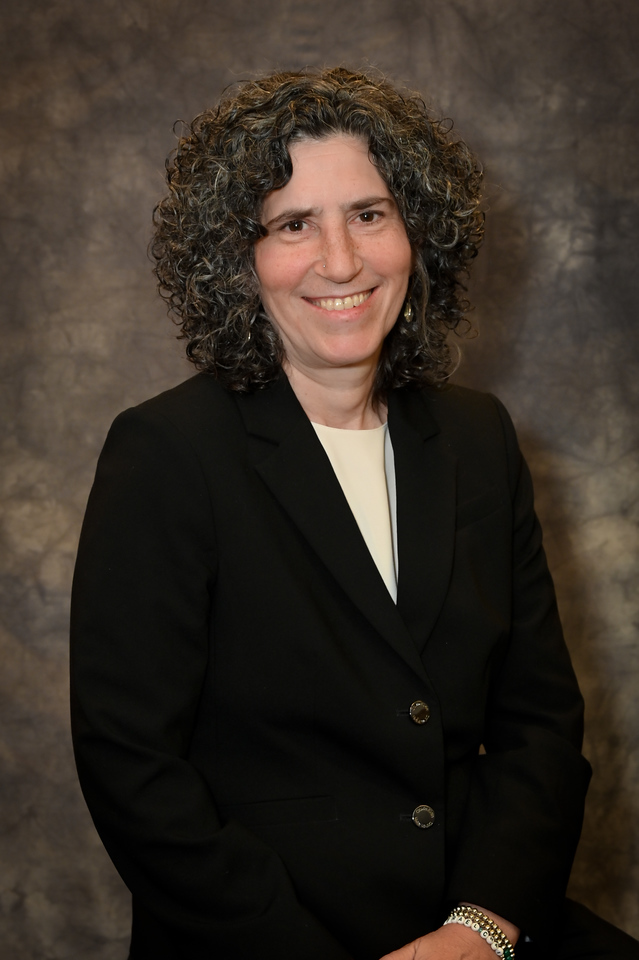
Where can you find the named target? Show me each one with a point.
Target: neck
(338, 397)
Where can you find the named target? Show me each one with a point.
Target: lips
(341, 303)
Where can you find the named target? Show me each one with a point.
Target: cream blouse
(364, 465)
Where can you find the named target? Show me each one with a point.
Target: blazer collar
(425, 474)
(291, 461)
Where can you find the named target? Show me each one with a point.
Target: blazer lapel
(290, 459)
(425, 475)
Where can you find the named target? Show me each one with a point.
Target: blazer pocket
(296, 810)
(478, 507)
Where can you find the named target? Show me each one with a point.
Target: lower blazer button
(419, 711)
(423, 816)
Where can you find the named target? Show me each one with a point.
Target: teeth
(343, 303)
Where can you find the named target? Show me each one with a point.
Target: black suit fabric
(241, 681)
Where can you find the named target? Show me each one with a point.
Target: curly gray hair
(235, 154)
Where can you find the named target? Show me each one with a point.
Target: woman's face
(334, 267)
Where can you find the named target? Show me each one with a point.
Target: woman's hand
(452, 942)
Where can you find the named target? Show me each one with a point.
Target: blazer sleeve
(525, 811)
(140, 644)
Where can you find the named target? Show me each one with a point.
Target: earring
(408, 311)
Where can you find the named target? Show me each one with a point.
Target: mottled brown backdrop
(547, 94)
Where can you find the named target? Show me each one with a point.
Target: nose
(339, 259)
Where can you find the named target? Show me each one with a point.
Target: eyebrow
(297, 214)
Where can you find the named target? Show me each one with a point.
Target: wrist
(472, 918)
(511, 931)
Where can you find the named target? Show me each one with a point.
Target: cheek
(405, 262)
(278, 271)
(395, 257)
(265, 268)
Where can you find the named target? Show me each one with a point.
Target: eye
(368, 216)
(294, 226)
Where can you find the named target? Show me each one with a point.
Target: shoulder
(457, 405)
(172, 440)
(465, 418)
(191, 413)
(198, 400)
(474, 427)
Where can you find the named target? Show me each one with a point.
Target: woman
(320, 692)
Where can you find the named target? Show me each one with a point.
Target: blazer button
(419, 711)
(423, 816)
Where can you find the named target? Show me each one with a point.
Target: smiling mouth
(341, 303)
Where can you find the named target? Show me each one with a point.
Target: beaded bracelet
(487, 929)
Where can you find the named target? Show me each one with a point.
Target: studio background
(547, 95)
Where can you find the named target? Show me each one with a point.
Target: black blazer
(241, 681)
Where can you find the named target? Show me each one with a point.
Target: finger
(404, 953)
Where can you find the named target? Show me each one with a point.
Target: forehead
(340, 148)
(335, 169)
